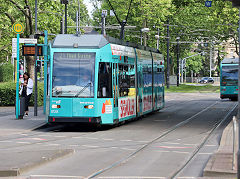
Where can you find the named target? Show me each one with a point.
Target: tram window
(124, 80)
(132, 76)
(104, 80)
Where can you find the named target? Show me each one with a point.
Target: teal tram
(229, 78)
(97, 79)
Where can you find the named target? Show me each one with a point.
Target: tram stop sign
(18, 28)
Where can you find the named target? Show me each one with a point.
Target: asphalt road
(155, 146)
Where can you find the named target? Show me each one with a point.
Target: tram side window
(124, 80)
(104, 80)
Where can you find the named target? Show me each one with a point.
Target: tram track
(48, 128)
(201, 145)
(124, 160)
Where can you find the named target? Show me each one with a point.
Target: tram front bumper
(96, 120)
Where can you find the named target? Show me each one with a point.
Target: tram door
(115, 90)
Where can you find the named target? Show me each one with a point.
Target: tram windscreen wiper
(83, 89)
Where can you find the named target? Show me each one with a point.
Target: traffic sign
(18, 28)
(104, 12)
(25, 41)
(208, 3)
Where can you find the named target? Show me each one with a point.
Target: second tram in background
(97, 79)
(229, 78)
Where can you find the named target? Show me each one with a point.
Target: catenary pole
(168, 67)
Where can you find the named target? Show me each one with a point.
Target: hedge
(6, 72)
(8, 94)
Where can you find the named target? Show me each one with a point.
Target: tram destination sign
(28, 50)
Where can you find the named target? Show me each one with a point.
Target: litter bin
(22, 107)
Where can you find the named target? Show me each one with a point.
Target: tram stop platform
(10, 125)
(222, 164)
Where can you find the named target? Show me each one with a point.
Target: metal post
(210, 61)
(158, 40)
(35, 16)
(77, 23)
(234, 141)
(66, 18)
(182, 73)
(45, 70)
(178, 62)
(238, 167)
(35, 92)
(122, 30)
(103, 25)
(17, 77)
(35, 67)
(168, 63)
(141, 36)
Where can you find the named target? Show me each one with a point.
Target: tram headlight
(54, 106)
(89, 107)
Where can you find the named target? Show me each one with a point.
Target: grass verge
(193, 89)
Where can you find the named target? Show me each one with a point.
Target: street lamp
(145, 30)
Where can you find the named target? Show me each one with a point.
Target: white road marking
(162, 151)
(6, 141)
(127, 149)
(91, 146)
(53, 144)
(142, 141)
(55, 176)
(94, 138)
(23, 142)
(24, 134)
(126, 140)
(210, 145)
(59, 136)
(180, 152)
(190, 144)
(205, 153)
(74, 145)
(114, 147)
(107, 139)
(171, 143)
(188, 177)
(133, 177)
(77, 137)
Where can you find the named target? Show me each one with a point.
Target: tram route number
(126, 107)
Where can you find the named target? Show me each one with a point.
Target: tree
(49, 15)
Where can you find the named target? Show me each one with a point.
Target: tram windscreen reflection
(73, 74)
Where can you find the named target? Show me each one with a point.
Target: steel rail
(217, 125)
(169, 130)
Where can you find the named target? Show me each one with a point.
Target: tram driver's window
(105, 80)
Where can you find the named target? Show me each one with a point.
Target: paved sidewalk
(10, 125)
(222, 164)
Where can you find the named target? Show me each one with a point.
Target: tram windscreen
(73, 74)
(230, 75)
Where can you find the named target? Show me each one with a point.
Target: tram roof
(92, 41)
(230, 60)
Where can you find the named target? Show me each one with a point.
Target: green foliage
(193, 89)
(6, 72)
(8, 94)
(189, 19)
